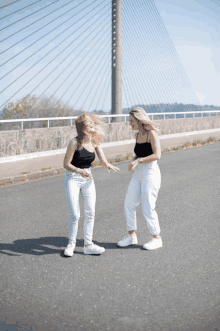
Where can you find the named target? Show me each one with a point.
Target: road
(175, 288)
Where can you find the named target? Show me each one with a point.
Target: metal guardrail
(48, 119)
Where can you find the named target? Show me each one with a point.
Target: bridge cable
(99, 74)
(1, 18)
(154, 61)
(41, 29)
(176, 56)
(88, 81)
(9, 4)
(46, 55)
(28, 16)
(75, 77)
(107, 80)
(136, 57)
(70, 64)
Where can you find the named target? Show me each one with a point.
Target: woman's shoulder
(73, 142)
(153, 136)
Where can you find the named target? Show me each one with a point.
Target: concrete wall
(38, 140)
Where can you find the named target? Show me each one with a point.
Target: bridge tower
(116, 59)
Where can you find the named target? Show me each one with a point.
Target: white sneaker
(69, 249)
(153, 244)
(127, 241)
(93, 249)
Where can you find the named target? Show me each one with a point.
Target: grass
(24, 179)
(186, 145)
(193, 144)
(94, 164)
(128, 156)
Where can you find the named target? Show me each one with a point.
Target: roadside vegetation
(48, 172)
(32, 106)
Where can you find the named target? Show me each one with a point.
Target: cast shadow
(50, 245)
(34, 246)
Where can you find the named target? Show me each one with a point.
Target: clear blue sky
(193, 27)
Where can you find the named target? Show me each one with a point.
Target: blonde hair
(81, 129)
(140, 115)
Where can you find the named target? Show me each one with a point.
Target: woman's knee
(74, 218)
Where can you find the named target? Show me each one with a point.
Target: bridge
(173, 288)
(59, 57)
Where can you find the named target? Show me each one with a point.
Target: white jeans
(144, 187)
(74, 182)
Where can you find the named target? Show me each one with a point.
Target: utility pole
(116, 59)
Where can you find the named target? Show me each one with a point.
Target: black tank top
(82, 158)
(143, 149)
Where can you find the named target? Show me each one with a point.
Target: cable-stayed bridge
(60, 53)
(65, 51)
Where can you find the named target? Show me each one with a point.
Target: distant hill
(176, 107)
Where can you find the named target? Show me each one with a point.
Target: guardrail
(48, 119)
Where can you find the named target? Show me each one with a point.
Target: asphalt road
(175, 288)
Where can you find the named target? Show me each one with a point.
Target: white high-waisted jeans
(74, 182)
(144, 187)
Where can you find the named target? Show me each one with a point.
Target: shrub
(210, 140)
(94, 164)
(186, 145)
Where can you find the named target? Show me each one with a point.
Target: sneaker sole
(150, 249)
(93, 253)
(126, 245)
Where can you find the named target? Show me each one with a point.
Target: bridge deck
(173, 288)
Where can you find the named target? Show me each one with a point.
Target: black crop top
(143, 149)
(82, 158)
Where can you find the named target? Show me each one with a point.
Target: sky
(194, 29)
(83, 79)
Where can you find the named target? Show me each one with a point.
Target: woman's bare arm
(68, 157)
(101, 155)
(103, 160)
(155, 144)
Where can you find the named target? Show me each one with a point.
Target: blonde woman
(78, 177)
(145, 182)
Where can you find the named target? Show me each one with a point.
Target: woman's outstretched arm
(103, 161)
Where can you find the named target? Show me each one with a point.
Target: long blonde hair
(140, 115)
(81, 129)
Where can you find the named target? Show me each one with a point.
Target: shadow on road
(36, 246)
(49, 245)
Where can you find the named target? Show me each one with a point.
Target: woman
(145, 182)
(78, 176)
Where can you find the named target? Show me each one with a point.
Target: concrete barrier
(35, 163)
(21, 142)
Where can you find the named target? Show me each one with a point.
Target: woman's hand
(109, 166)
(132, 165)
(85, 174)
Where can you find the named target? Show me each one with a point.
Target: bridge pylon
(116, 60)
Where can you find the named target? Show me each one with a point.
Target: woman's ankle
(156, 236)
(132, 233)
